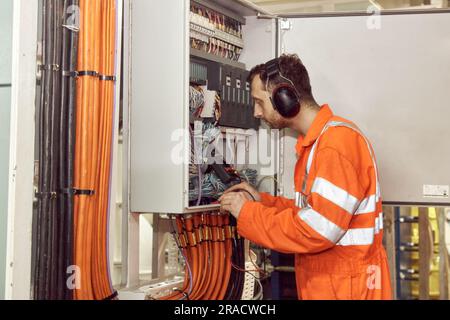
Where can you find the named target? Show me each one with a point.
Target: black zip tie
(88, 73)
(88, 193)
(71, 74)
(49, 195)
(78, 192)
(49, 67)
(107, 78)
(67, 191)
(77, 74)
(185, 294)
(113, 296)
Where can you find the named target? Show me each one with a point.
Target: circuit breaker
(234, 90)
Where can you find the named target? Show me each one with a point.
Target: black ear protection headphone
(285, 98)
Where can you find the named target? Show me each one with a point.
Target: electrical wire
(213, 188)
(221, 254)
(49, 249)
(206, 239)
(206, 243)
(54, 224)
(41, 229)
(228, 254)
(213, 40)
(200, 185)
(183, 255)
(260, 294)
(93, 147)
(258, 185)
(110, 203)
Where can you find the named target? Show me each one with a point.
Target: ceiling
(314, 6)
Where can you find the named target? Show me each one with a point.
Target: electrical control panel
(192, 133)
(222, 101)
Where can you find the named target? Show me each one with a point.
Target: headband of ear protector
(285, 98)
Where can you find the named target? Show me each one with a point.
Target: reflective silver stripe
(347, 125)
(337, 195)
(358, 237)
(313, 149)
(378, 192)
(368, 205)
(381, 220)
(362, 236)
(379, 223)
(297, 199)
(311, 156)
(321, 225)
(300, 200)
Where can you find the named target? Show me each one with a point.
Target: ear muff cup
(285, 101)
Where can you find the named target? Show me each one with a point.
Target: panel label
(436, 191)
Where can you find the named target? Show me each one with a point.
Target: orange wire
(228, 255)
(214, 259)
(220, 265)
(207, 252)
(93, 146)
(210, 264)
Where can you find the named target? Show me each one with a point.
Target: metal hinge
(285, 24)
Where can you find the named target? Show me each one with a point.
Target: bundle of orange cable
(94, 132)
(206, 242)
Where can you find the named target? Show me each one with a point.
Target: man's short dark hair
(292, 68)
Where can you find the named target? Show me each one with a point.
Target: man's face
(263, 106)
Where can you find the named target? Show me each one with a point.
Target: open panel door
(157, 65)
(391, 77)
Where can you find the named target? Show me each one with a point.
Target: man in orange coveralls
(334, 225)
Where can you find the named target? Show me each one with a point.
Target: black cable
(243, 190)
(233, 271)
(241, 265)
(65, 234)
(45, 271)
(63, 156)
(55, 218)
(38, 277)
(236, 295)
(235, 284)
(232, 288)
(71, 133)
(63, 161)
(237, 287)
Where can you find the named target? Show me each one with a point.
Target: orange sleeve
(278, 202)
(278, 230)
(318, 226)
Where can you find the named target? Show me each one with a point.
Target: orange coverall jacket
(335, 224)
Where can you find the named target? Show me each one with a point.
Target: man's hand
(247, 187)
(233, 202)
